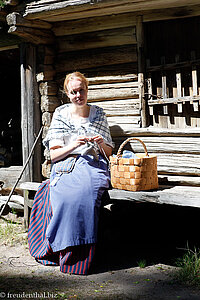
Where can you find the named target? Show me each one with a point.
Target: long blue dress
(64, 218)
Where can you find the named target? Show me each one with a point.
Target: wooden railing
(165, 84)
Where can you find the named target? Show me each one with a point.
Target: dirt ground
(123, 270)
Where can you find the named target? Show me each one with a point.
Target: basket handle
(128, 140)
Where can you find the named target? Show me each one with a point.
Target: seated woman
(64, 218)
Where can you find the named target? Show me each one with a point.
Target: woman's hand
(57, 152)
(104, 148)
(98, 139)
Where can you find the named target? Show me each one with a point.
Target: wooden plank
(9, 176)
(61, 10)
(114, 85)
(30, 112)
(17, 20)
(112, 79)
(179, 180)
(119, 124)
(170, 144)
(33, 35)
(174, 100)
(173, 195)
(29, 185)
(98, 39)
(48, 88)
(94, 24)
(95, 58)
(141, 69)
(112, 94)
(187, 164)
(125, 107)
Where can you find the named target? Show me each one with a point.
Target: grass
(189, 267)
(12, 230)
(142, 263)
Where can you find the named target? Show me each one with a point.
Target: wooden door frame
(30, 112)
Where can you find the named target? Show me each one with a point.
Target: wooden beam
(95, 58)
(141, 60)
(173, 195)
(174, 100)
(32, 35)
(30, 112)
(97, 39)
(17, 20)
(54, 11)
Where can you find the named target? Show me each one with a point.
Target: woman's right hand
(57, 153)
(81, 140)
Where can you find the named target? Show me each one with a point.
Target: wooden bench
(166, 194)
(178, 153)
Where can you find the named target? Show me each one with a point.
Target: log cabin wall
(109, 51)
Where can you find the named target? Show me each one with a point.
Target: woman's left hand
(98, 139)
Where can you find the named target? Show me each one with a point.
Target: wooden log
(112, 79)
(118, 124)
(62, 10)
(46, 118)
(174, 195)
(32, 35)
(47, 73)
(9, 176)
(113, 91)
(48, 88)
(49, 103)
(94, 24)
(98, 39)
(178, 180)
(99, 57)
(30, 112)
(90, 24)
(112, 94)
(141, 69)
(163, 132)
(174, 100)
(187, 164)
(115, 85)
(15, 19)
(16, 202)
(125, 107)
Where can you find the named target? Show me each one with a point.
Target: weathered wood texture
(94, 58)
(68, 10)
(36, 32)
(30, 112)
(174, 195)
(105, 38)
(8, 177)
(177, 152)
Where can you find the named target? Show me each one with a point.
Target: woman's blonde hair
(72, 76)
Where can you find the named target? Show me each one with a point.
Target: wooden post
(140, 50)
(164, 87)
(30, 112)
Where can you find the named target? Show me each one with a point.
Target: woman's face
(77, 92)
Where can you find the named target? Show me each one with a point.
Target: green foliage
(189, 267)
(142, 263)
(2, 3)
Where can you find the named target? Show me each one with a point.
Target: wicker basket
(134, 174)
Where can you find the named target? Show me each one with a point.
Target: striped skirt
(74, 259)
